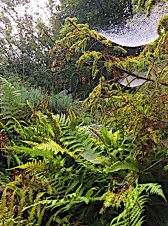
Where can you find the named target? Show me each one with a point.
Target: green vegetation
(55, 172)
(98, 13)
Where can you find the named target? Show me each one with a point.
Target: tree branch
(141, 77)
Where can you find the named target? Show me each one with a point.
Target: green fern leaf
(55, 125)
(72, 114)
(128, 164)
(31, 215)
(41, 216)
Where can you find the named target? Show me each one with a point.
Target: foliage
(146, 5)
(64, 156)
(134, 204)
(10, 106)
(62, 103)
(147, 107)
(99, 14)
(25, 53)
(16, 93)
(59, 174)
(88, 50)
(15, 115)
(25, 41)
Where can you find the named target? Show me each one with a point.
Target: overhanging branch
(141, 77)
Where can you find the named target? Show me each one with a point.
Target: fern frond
(44, 122)
(55, 125)
(135, 205)
(22, 203)
(34, 165)
(41, 216)
(19, 128)
(31, 215)
(62, 119)
(3, 206)
(128, 164)
(30, 106)
(11, 205)
(97, 133)
(51, 146)
(72, 114)
(32, 151)
(154, 189)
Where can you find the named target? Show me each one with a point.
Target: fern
(55, 125)
(128, 164)
(72, 114)
(68, 169)
(65, 131)
(32, 212)
(40, 217)
(32, 166)
(12, 205)
(22, 202)
(12, 111)
(135, 205)
(3, 206)
(9, 100)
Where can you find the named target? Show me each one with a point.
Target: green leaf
(128, 164)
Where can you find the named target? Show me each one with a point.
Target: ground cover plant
(56, 173)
